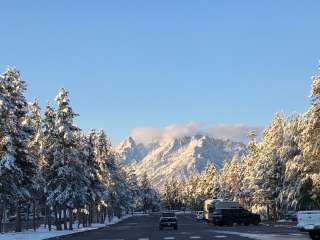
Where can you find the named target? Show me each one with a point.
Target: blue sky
(136, 64)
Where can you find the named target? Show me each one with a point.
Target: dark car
(168, 219)
(228, 217)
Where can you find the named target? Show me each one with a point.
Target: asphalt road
(146, 228)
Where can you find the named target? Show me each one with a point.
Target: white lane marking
(168, 238)
(220, 236)
(194, 237)
(143, 238)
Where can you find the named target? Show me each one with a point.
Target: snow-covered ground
(295, 236)
(43, 233)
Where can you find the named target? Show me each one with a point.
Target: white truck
(309, 221)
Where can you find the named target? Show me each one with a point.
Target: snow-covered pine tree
(269, 167)
(248, 186)
(293, 159)
(123, 188)
(49, 143)
(95, 173)
(101, 155)
(310, 145)
(17, 165)
(133, 185)
(68, 184)
(193, 192)
(231, 179)
(118, 199)
(209, 182)
(147, 194)
(171, 194)
(35, 149)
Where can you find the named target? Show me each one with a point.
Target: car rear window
(168, 215)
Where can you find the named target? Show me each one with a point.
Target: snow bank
(295, 236)
(44, 233)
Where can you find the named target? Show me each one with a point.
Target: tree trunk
(70, 219)
(46, 221)
(78, 218)
(268, 212)
(274, 213)
(49, 217)
(90, 215)
(18, 219)
(65, 226)
(83, 220)
(27, 217)
(2, 210)
(34, 216)
(58, 220)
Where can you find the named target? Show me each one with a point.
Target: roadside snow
(297, 236)
(43, 233)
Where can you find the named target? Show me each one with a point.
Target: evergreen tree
(17, 165)
(209, 181)
(248, 186)
(310, 143)
(94, 171)
(35, 149)
(133, 187)
(172, 193)
(293, 159)
(46, 163)
(148, 197)
(268, 169)
(68, 186)
(231, 179)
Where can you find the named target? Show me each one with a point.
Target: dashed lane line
(169, 238)
(194, 237)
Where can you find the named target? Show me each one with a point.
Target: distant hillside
(177, 156)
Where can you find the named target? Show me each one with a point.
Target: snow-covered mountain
(177, 156)
(131, 152)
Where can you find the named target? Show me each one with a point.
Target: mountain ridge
(179, 156)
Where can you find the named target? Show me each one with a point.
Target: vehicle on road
(291, 216)
(168, 219)
(211, 205)
(309, 221)
(199, 215)
(229, 216)
(208, 209)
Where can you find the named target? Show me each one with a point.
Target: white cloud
(236, 132)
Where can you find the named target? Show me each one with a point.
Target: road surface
(146, 228)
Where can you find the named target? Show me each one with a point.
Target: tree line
(279, 173)
(50, 167)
